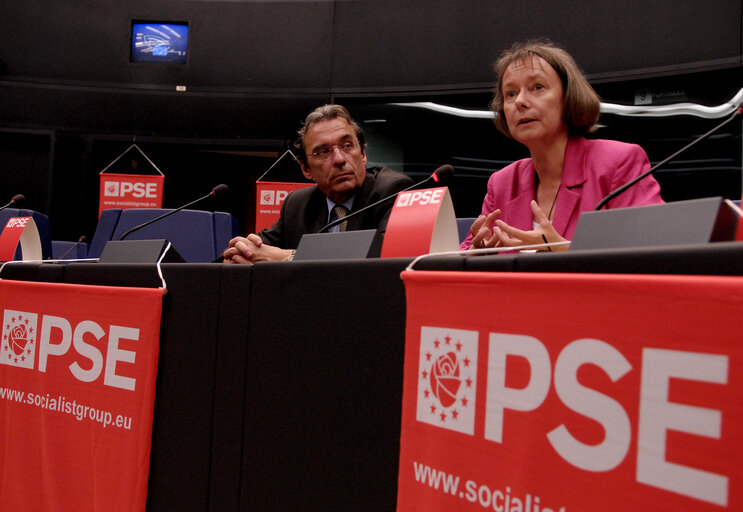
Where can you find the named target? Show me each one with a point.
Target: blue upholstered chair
(42, 224)
(198, 236)
(65, 249)
(104, 231)
(463, 226)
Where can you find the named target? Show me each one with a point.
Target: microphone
(68, 251)
(16, 199)
(440, 175)
(219, 189)
(614, 193)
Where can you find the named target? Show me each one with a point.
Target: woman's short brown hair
(582, 104)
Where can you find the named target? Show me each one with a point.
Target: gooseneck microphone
(219, 189)
(73, 247)
(16, 199)
(440, 175)
(614, 193)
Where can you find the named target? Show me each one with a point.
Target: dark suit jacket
(306, 210)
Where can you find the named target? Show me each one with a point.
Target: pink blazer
(591, 169)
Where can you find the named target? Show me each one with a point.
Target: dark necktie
(340, 211)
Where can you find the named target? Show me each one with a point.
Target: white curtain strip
(675, 109)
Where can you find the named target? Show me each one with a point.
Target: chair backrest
(68, 250)
(104, 231)
(42, 224)
(225, 229)
(198, 236)
(463, 226)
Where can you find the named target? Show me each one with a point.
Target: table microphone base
(138, 251)
(697, 221)
(366, 243)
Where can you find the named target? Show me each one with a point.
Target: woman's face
(533, 101)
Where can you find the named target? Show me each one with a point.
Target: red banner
(569, 392)
(270, 196)
(130, 191)
(77, 387)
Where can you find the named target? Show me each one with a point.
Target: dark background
(71, 102)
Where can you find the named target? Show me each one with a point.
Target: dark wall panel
(442, 43)
(25, 169)
(254, 64)
(283, 45)
(316, 45)
(148, 112)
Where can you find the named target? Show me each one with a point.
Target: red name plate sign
(421, 222)
(21, 229)
(270, 196)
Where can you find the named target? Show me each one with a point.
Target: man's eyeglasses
(325, 152)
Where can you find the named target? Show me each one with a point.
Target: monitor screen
(159, 42)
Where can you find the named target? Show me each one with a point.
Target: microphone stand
(74, 246)
(630, 183)
(213, 193)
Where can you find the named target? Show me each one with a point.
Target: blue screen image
(159, 42)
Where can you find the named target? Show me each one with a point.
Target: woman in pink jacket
(543, 101)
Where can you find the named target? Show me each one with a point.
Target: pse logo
(129, 189)
(550, 389)
(79, 345)
(447, 379)
(17, 222)
(273, 197)
(421, 197)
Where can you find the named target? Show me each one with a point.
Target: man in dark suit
(332, 153)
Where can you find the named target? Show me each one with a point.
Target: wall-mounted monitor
(157, 41)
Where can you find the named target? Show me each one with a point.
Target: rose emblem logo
(267, 197)
(111, 188)
(18, 339)
(445, 380)
(18, 346)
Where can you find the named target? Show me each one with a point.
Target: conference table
(279, 385)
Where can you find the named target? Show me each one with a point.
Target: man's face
(341, 172)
